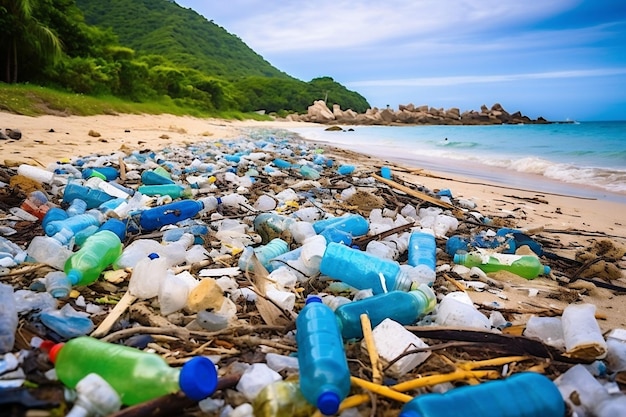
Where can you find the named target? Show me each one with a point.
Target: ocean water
(586, 159)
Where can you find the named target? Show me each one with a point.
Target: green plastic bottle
(137, 376)
(526, 266)
(97, 253)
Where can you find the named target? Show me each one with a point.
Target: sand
(572, 224)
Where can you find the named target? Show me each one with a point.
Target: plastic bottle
(75, 223)
(400, 306)
(173, 190)
(52, 215)
(137, 376)
(147, 276)
(354, 224)
(91, 196)
(324, 373)
(77, 206)
(36, 204)
(272, 225)
(264, 254)
(362, 270)
(95, 398)
(8, 318)
(106, 173)
(157, 217)
(37, 174)
(158, 176)
(58, 284)
(116, 226)
(521, 395)
(526, 266)
(282, 399)
(422, 254)
(97, 253)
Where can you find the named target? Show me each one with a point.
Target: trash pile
(270, 276)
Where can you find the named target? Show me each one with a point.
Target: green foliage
(150, 51)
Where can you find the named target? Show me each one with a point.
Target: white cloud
(327, 24)
(486, 79)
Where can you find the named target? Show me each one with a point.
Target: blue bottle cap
(74, 276)
(409, 413)
(198, 378)
(153, 255)
(313, 298)
(328, 402)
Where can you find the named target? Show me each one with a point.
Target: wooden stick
(114, 315)
(414, 193)
(377, 377)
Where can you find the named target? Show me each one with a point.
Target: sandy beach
(567, 224)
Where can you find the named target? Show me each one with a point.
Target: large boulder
(319, 112)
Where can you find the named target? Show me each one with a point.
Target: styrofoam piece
(392, 340)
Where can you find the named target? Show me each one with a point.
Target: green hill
(150, 51)
(181, 35)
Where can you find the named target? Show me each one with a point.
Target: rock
(14, 133)
(319, 112)
(3, 136)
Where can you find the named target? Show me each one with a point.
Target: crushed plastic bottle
(282, 399)
(99, 251)
(526, 266)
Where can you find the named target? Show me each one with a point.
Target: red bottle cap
(54, 351)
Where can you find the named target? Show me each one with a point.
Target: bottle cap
(54, 351)
(313, 298)
(198, 378)
(75, 276)
(409, 413)
(328, 402)
(546, 270)
(153, 255)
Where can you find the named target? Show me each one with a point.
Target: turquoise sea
(586, 159)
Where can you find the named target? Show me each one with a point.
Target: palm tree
(22, 33)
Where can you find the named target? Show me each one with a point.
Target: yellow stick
(491, 362)
(438, 379)
(381, 389)
(371, 348)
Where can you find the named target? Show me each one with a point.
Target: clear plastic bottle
(526, 266)
(271, 225)
(282, 399)
(422, 250)
(363, 270)
(400, 306)
(98, 252)
(8, 318)
(157, 217)
(324, 373)
(525, 394)
(137, 376)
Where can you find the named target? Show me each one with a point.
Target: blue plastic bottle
(525, 394)
(422, 250)
(74, 223)
(157, 217)
(354, 224)
(77, 206)
(52, 215)
(173, 190)
(400, 306)
(107, 173)
(116, 226)
(324, 373)
(153, 177)
(91, 196)
(362, 270)
(275, 248)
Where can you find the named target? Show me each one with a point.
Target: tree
(23, 35)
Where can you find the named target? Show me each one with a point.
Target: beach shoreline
(560, 218)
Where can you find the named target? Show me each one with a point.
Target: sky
(559, 59)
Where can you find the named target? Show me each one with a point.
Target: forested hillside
(149, 50)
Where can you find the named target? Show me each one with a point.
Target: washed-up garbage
(213, 248)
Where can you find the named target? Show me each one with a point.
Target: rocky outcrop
(410, 114)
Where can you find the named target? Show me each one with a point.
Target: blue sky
(558, 59)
